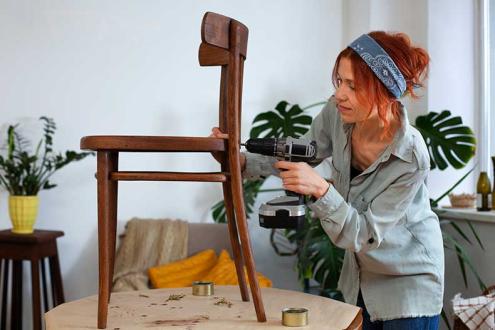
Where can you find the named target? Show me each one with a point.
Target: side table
(35, 247)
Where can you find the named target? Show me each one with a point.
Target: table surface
(38, 236)
(150, 308)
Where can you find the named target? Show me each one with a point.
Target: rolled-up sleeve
(364, 230)
(259, 166)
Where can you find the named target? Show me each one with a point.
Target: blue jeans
(409, 323)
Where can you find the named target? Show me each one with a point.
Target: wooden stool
(33, 247)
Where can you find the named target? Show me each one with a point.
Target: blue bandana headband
(380, 63)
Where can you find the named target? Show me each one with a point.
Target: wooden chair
(224, 43)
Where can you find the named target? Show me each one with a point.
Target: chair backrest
(224, 43)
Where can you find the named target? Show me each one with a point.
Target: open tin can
(295, 317)
(201, 288)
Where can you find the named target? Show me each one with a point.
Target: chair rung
(169, 176)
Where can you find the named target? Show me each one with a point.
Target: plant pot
(23, 211)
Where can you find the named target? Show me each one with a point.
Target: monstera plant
(449, 142)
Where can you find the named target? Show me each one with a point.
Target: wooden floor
(153, 309)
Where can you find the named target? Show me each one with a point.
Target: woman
(376, 206)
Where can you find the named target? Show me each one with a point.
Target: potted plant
(24, 174)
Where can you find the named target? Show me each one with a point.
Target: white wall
(130, 67)
(453, 77)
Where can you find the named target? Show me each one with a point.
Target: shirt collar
(402, 144)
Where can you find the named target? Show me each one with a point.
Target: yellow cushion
(183, 272)
(224, 273)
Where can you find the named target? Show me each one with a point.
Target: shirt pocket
(360, 204)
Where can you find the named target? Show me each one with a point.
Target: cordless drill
(284, 211)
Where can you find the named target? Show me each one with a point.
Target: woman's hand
(302, 178)
(216, 133)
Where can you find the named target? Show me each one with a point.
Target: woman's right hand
(216, 133)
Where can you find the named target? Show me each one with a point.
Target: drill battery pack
(283, 212)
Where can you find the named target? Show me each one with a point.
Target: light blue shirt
(382, 218)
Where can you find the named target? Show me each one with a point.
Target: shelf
(464, 214)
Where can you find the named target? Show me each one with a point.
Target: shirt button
(371, 240)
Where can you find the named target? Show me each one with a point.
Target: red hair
(370, 91)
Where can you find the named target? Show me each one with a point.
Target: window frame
(486, 22)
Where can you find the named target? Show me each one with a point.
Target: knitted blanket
(147, 243)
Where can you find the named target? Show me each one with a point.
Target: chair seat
(128, 143)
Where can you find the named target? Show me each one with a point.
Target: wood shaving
(175, 297)
(223, 301)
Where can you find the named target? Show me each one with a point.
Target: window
(491, 52)
(486, 145)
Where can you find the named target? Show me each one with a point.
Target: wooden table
(150, 308)
(35, 247)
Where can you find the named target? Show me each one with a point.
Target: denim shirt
(382, 218)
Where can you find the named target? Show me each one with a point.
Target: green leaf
(219, 214)
(475, 234)
(461, 264)
(281, 122)
(460, 232)
(448, 141)
(463, 259)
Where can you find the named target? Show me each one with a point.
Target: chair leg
(107, 204)
(113, 187)
(234, 240)
(240, 215)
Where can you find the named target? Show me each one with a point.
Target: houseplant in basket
(23, 173)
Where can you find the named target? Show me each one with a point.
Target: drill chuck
(265, 146)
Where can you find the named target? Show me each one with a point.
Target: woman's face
(350, 110)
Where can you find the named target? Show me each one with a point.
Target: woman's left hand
(302, 178)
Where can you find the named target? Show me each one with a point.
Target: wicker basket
(463, 200)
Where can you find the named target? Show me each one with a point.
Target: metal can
(200, 288)
(295, 317)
